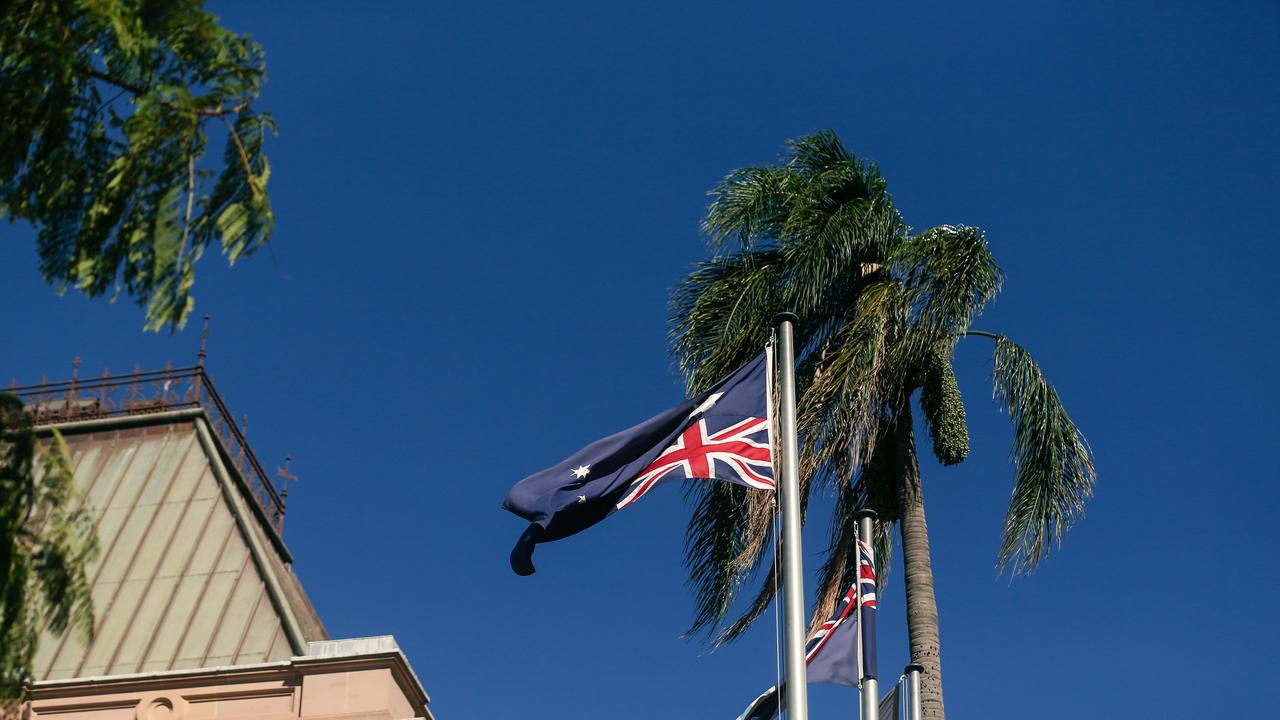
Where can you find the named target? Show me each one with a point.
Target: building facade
(199, 615)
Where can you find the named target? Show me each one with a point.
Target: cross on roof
(284, 474)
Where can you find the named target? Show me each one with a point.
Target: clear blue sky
(481, 212)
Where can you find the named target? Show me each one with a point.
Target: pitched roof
(191, 572)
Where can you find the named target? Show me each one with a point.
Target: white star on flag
(581, 471)
(706, 404)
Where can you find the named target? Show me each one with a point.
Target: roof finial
(203, 337)
(285, 478)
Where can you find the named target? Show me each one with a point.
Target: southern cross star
(581, 471)
(706, 404)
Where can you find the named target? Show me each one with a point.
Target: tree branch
(138, 90)
(191, 198)
(244, 157)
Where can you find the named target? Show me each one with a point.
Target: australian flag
(722, 434)
(842, 651)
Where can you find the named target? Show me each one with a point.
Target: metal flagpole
(792, 560)
(870, 687)
(913, 686)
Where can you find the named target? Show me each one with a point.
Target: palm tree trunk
(922, 608)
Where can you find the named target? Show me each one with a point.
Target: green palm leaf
(1054, 473)
(880, 310)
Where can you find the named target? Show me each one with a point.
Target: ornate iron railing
(145, 393)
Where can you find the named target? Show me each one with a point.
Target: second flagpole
(869, 691)
(797, 694)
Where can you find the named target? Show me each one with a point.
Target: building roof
(193, 572)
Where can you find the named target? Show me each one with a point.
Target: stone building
(199, 614)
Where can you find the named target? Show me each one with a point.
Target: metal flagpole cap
(912, 667)
(789, 316)
(866, 513)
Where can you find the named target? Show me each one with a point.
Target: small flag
(891, 703)
(764, 707)
(722, 434)
(842, 650)
(867, 608)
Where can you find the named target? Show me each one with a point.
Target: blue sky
(483, 207)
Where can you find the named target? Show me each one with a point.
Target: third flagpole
(870, 689)
(797, 694)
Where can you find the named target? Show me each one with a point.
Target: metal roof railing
(145, 393)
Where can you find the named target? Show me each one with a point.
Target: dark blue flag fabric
(842, 650)
(722, 434)
(867, 608)
(764, 707)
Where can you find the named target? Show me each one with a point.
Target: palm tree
(881, 311)
(47, 539)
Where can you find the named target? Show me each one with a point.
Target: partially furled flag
(842, 650)
(867, 608)
(891, 703)
(722, 434)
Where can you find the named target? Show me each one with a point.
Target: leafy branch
(103, 134)
(47, 540)
(138, 90)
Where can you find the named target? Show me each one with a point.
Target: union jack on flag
(739, 453)
(842, 650)
(857, 601)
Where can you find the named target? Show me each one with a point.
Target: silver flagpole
(870, 688)
(913, 685)
(792, 558)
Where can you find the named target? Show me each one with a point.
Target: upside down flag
(722, 434)
(842, 650)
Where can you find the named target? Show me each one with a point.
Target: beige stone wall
(350, 689)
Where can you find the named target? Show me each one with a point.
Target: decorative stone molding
(161, 707)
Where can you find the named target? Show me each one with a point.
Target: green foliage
(1054, 465)
(944, 409)
(47, 539)
(813, 235)
(717, 531)
(880, 308)
(106, 112)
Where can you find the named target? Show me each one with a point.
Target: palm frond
(768, 592)
(840, 565)
(948, 275)
(722, 314)
(749, 204)
(841, 403)
(828, 248)
(816, 153)
(713, 541)
(1054, 474)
